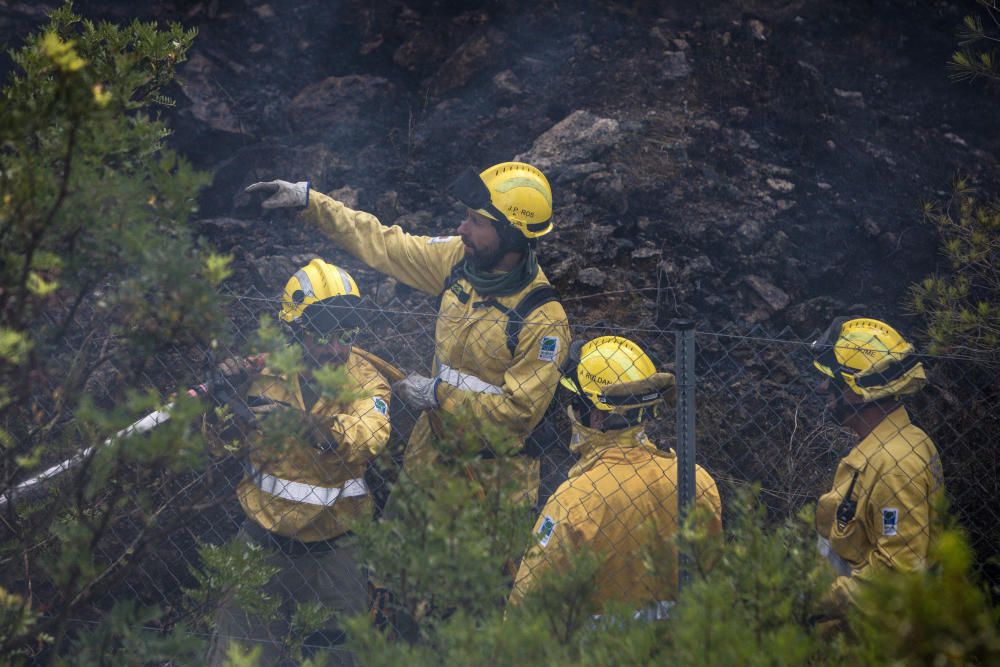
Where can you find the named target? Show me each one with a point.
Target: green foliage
(234, 569)
(752, 599)
(978, 39)
(99, 273)
(962, 309)
(457, 512)
(754, 607)
(127, 632)
(937, 617)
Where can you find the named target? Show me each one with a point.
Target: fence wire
(758, 420)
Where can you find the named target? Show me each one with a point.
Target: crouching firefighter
(880, 513)
(620, 500)
(304, 482)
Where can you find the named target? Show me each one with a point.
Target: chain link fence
(753, 417)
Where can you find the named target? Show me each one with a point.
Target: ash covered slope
(758, 161)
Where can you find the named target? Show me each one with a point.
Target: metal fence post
(684, 366)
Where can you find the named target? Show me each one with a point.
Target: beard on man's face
(483, 259)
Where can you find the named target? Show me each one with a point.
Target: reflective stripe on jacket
(512, 391)
(620, 501)
(898, 481)
(308, 493)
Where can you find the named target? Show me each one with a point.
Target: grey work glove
(282, 193)
(418, 391)
(236, 373)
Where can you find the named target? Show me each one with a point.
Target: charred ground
(759, 161)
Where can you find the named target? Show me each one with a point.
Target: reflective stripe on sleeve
(297, 492)
(466, 381)
(658, 611)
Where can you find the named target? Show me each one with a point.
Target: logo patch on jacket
(381, 406)
(548, 348)
(439, 239)
(545, 530)
(890, 520)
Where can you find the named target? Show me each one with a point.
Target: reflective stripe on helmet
(524, 182)
(305, 283)
(466, 381)
(307, 494)
(345, 279)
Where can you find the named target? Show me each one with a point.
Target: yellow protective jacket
(896, 473)
(302, 491)
(620, 501)
(478, 373)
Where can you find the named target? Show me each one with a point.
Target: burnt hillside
(758, 161)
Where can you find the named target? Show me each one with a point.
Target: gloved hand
(236, 374)
(282, 193)
(418, 391)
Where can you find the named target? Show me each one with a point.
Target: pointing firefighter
(879, 515)
(620, 499)
(501, 334)
(301, 495)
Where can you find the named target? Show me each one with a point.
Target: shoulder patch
(439, 239)
(890, 521)
(545, 530)
(548, 348)
(381, 406)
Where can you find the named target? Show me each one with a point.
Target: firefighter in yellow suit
(620, 499)
(501, 334)
(302, 494)
(880, 513)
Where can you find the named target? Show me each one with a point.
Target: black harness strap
(457, 272)
(536, 298)
(517, 315)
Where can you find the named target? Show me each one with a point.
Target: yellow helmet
(602, 363)
(869, 357)
(510, 191)
(321, 296)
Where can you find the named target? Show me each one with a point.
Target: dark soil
(740, 163)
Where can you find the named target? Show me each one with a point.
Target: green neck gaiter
(504, 284)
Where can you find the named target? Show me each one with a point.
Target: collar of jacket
(590, 444)
(886, 430)
(503, 284)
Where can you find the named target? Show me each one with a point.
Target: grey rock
(467, 61)
(385, 291)
(592, 277)
(699, 266)
(579, 138)
(562, 268)
(273, 271)
(223, 225)
(751, 230)
(674, 65)
(646, 252)
(773, 296)
(420, 49)
(852, 97)
(415, 222)
(208, 102)
(577, 171)
(506, 82)
(870, 226)
(346, 195)
(340, 100)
